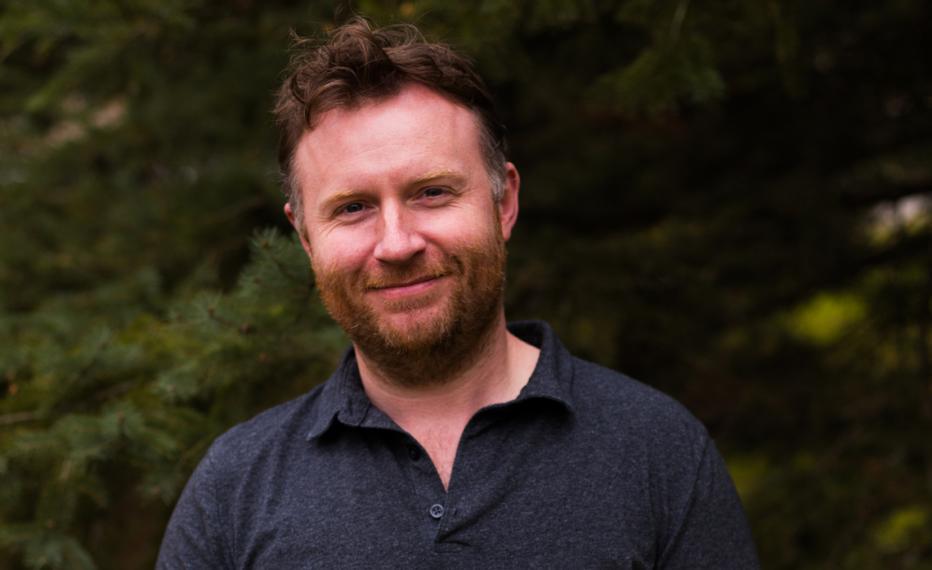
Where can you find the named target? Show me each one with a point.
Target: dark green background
(728, 200)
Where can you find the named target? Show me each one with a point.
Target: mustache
(398, 277)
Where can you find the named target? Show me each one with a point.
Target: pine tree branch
(235, 210)
(19, 418)
(264, 246)
(922, 349)
(676, 24)
(284, 271)
(890, 192)
(116, 390)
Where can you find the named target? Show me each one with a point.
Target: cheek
(462, 227)
(338, 254)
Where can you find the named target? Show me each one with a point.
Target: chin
(417, 330)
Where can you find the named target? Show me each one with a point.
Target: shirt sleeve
(712, 530)
(194, 537)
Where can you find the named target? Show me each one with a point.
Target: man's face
(400, 226)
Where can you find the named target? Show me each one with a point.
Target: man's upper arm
(194, 537)
(712, 531)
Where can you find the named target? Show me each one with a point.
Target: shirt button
(436, 511)
(414, 452)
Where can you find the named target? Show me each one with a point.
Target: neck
(495, 373)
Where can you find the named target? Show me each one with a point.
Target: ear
(302, 231)
(508, 205)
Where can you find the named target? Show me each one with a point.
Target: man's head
(401, 195)
(358, 65)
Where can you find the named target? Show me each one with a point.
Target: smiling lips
(406, 287)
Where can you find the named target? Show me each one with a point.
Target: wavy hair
(357, 64)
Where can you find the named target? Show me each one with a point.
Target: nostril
(399, 246)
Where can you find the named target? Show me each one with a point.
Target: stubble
(431, 350)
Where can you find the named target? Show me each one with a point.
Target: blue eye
(434, 192)
(352, 208)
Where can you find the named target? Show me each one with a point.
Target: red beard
(429, 349)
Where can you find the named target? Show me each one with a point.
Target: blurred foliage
(728, 200)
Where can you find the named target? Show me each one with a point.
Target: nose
(399, 240)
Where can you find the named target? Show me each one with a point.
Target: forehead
(414, 131)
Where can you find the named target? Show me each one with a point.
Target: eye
(350, 209)
(437, 195)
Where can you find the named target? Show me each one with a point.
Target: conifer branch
(284, 271)
(235, 210)
(115, 390)
(244, 328)
(19, 418)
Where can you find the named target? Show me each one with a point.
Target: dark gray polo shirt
(586, 468)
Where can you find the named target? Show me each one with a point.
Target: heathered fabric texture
(585, 469)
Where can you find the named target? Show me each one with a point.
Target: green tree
(730, 201)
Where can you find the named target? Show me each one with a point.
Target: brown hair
(358, 64)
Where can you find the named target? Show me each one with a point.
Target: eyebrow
(342, 196)
(436, 175)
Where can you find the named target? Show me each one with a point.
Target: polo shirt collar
(552, 378)
(343, 399)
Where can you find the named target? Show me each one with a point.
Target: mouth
(406, 287)
(407, 283)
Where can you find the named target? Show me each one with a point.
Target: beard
(437, 337)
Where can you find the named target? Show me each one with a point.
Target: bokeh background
(731, 201)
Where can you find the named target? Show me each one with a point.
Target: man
(446, 438)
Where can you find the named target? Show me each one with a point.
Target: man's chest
(440, 444)
(380, 499)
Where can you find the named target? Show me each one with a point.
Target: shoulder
(619, 408)
(610, 408)
(618, 392)
(661, 453)
(663, 462)
(268, 433)
(219, 505)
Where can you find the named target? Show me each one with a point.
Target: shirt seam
(224, 535)
(687, 509)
